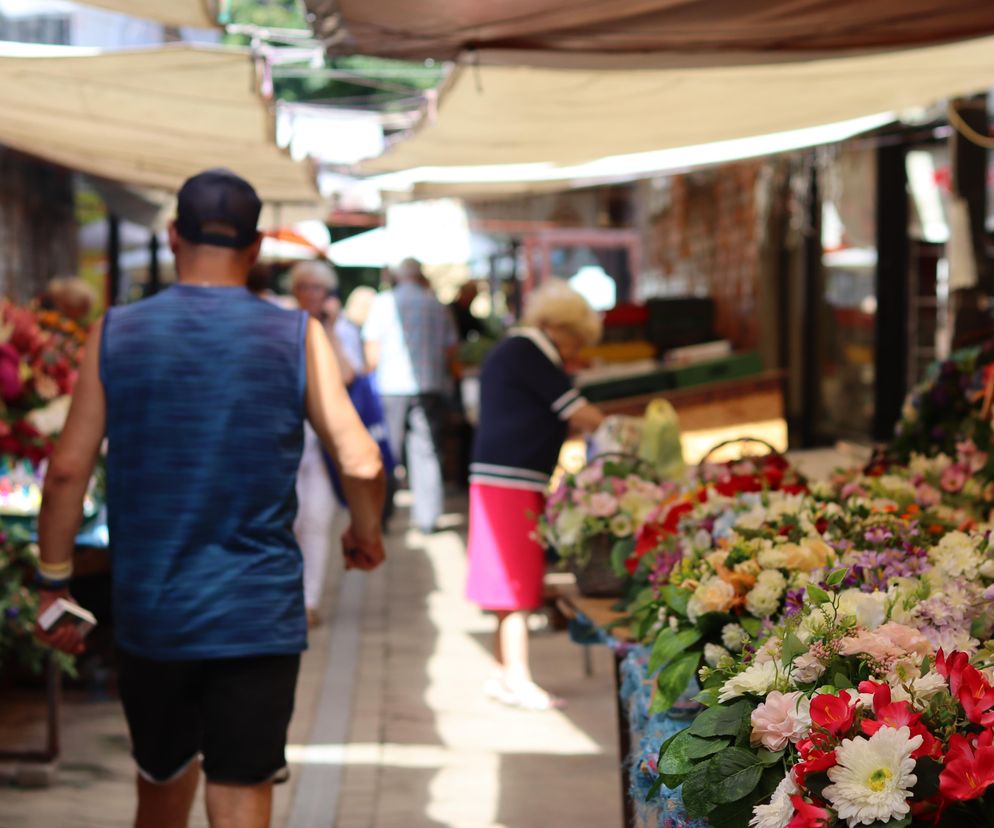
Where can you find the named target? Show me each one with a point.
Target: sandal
(529, 696)
(495, 689)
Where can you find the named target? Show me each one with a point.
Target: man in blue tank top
(202, 392)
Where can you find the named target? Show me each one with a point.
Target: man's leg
(248, 703)
(167, 804)
(424, 452)
(239, 806)
(395, 414)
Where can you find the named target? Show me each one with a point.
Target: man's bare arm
(331, 413)
(69, 472)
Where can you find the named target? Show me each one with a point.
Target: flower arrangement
(40, 355)
(610, 496)
(845, 714)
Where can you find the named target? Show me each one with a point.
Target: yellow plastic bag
(660, 443)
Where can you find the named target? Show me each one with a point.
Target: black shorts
(233, 711)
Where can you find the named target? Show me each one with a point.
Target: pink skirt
(506, 565)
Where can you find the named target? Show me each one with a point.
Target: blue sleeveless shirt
(205, 408)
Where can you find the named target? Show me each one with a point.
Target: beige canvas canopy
(443, 28)
(201, 14)
(150, 117)
(510, 108)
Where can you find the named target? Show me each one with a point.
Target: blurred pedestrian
(311, 283)
(461, 307)
(527, 406)
(202, 392)
(409, 337)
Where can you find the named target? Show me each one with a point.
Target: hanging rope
(967, 131)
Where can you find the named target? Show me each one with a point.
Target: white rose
(806, 669)
(568, 526)
(868, 608)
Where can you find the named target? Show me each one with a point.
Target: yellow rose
(810, 554)
(713, 595)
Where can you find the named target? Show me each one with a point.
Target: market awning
(201, 14)
(505, 111)
(151, 117)
(443, 28)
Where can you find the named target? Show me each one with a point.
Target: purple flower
(794, 602)
(877, 534)
(11, 612)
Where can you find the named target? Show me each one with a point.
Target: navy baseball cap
(218, 196)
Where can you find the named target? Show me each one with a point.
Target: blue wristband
(50, 584)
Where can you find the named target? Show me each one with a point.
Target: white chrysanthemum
(713, 653)
(764, 599)
(779, 810)
(757, 679)
(873, 779)
(734, 637)
(896, 486)
(752, 519)
(568, 526)
(772, 556)
(956, 556)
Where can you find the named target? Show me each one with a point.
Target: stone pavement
(391, 728)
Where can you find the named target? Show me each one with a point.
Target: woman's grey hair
(556, 303)
(315, 270)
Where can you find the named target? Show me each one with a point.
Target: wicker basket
(596, 578)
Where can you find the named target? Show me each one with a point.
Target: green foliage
(722, 720)
(672, 682)
(669, 644)
(19, 605)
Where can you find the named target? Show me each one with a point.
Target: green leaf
(841, 681)
(721, 720)
(751, 626)
(817, 595)
(708, 697)
(672, 682)
(733, 774)
(620, 553)
(655, 788)
(768, 757)
(837, 577)
(676, 598)
(669, 644)
(678, 757)
(792, 648)
(697, 795)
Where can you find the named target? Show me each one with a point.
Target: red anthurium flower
(951, 668)
(928, 811)
(833, 713)
(807, 814)
(649, 538)
(969, 771)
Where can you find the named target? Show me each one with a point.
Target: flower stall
(810, 654)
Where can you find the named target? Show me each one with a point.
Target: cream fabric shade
(150, 117)
(201, 14)
(501, 113)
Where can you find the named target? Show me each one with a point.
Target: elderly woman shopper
(527, 406)
(311, 283)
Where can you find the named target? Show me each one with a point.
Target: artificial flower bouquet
(612, 496)
(844, 714)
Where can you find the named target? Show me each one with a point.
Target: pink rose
(953, 478)
(782, 718)
(603, 505)
(618, 486)
(908, 639)
(591, 475)
(877, 647)
(11, 386)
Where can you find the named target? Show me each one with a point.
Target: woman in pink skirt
(527, 406)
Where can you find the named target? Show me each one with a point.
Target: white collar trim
(541, 341)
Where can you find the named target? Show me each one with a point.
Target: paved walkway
(391, 728)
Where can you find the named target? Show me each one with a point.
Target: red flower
(968, 771)
(834, 714)
(968, 685)
(807, 814)
(815, 760)
(11, 386)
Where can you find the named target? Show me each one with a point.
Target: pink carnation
(603, 505)
(926, 495)
(782, 718)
